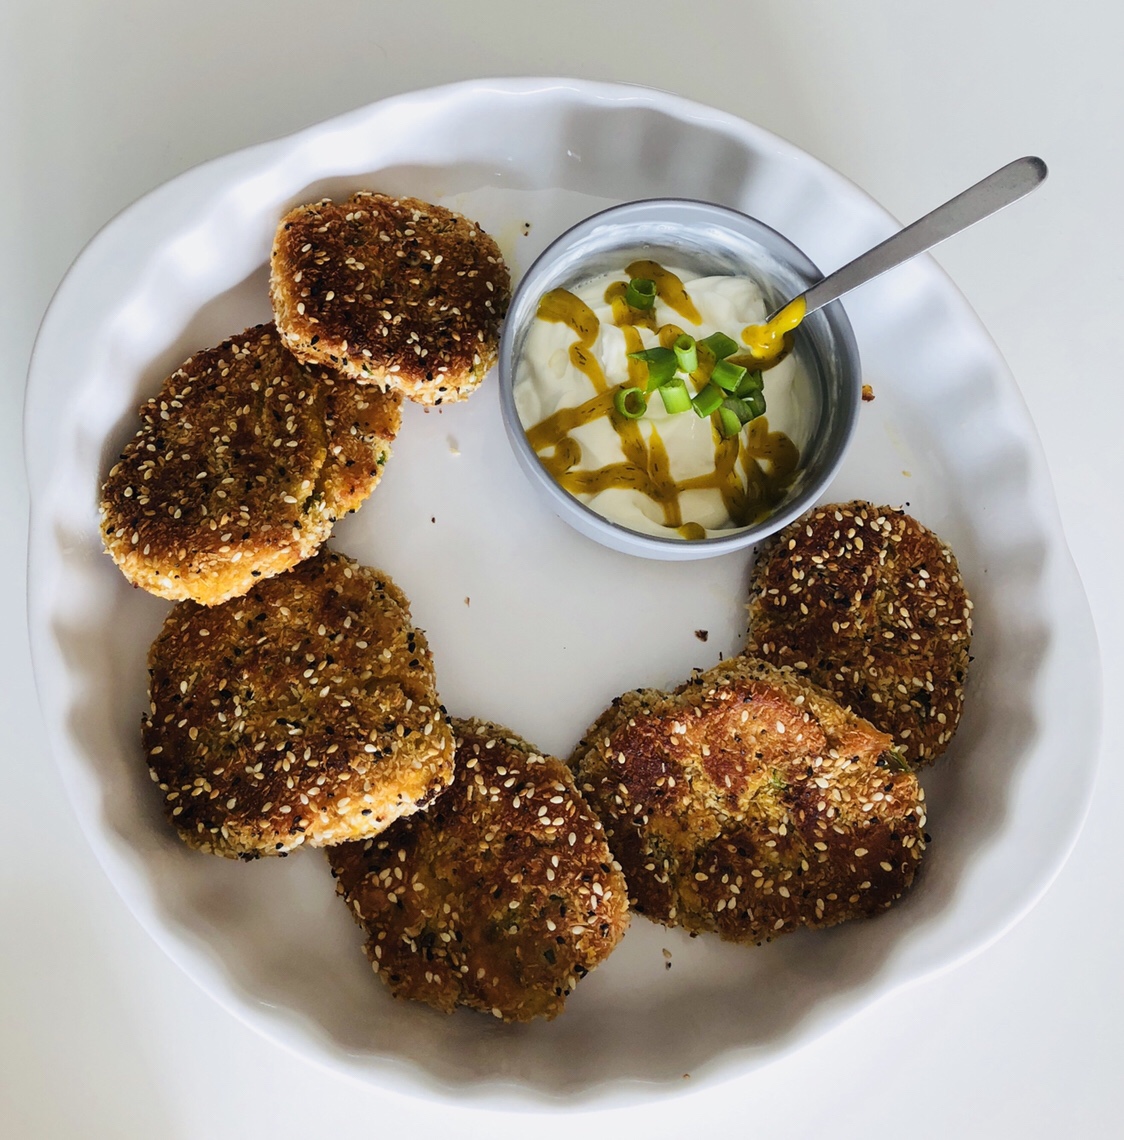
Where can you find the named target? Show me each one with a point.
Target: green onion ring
(686, 353)
(675, 396)
(661, 365)
(707, 401)
(640, 293)
(622, 397)
(750, 382)
(727, 375)
(756, 402)
(729, 423)
(740, 408)
(720, 345)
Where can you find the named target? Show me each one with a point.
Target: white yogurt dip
(682, 449)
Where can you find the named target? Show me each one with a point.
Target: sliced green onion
(728, 422)
(661, 364)
(750, 382)
(727, 375)
(746, 409)
(897, 757)
(630, 402)
(740, 408)
(641, 293)
(720, 345)
(675, 396)
(708, 401)
(756, 402)
(686, 353)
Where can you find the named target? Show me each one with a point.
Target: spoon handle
(997, 190)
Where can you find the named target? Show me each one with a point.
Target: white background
(100, 102)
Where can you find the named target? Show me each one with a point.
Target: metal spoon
(997, 190)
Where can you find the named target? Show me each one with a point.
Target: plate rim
(185, 948)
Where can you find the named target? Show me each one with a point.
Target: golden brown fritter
(242, 464)
(749, 803)
(500, 896)
(391, 291)
(870, 605)
(304, 712)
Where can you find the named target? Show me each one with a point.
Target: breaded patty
(304, 712)
(500, 896)
(391, 291)
(750, 803)
(242, 464)
(869, 604)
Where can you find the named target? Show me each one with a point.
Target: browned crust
(304, 712)
(241, 466)
(362, 422)
(747, 802)
(500, 896)
(869, 604)
(391, 291)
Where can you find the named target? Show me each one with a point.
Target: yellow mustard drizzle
(749, 489)
(669, 288)
(624, 315)
(767, 341)
(637, 369)
(562, 305)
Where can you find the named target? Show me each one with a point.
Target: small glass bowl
(710, 240)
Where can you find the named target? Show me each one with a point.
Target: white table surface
(102, 1035)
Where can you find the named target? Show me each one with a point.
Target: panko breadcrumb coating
(870, 605)
(304, 712)
(749, 803)
(242, 464)
(391, 291)
(500, 896)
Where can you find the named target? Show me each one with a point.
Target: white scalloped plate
(536, 627)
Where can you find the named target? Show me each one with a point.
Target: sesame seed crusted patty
(241, 465)
(500, 896)
(869, 604)
(304, 712)
(749, 803)
(391, 291)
